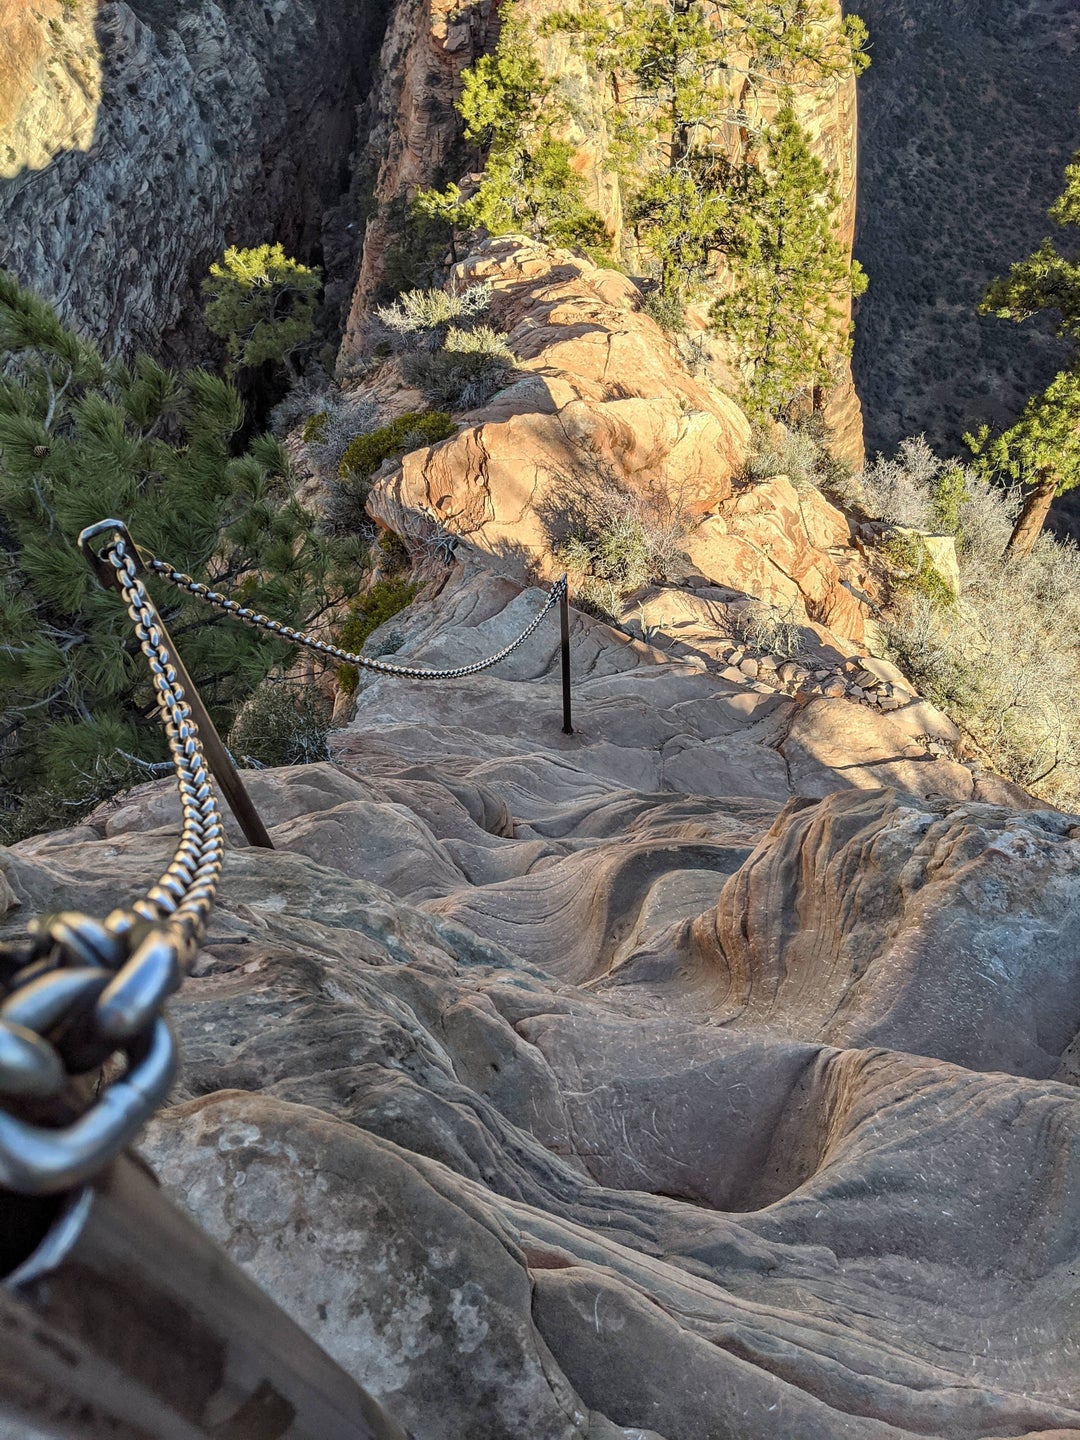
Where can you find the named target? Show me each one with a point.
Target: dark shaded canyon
(203, 126)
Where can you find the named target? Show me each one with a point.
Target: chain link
(322, 647)
(81, 990)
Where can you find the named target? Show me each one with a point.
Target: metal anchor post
(564, 626)
(220, 761)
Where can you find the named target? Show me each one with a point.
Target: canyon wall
(414, 142)
(138, 140)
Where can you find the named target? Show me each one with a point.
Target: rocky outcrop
(415, 144)
(136, 141)
(609, 1086)
(602, 400)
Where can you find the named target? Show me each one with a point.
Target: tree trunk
(1032, 517)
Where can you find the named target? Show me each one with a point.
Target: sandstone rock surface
(602, 399)
(612, 1085)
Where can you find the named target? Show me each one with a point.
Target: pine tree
(679, 77)
(1042, 449)
(791, 276)
(514, 114)
(82, 439)
(680, 71)
(684, 78)
(262, 303)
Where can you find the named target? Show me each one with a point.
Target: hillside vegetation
(967, 117)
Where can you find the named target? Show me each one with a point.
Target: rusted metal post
(125, 1321)
(564, 625)
(218, 758)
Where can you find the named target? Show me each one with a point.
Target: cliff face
(415, 130)
(138, 140)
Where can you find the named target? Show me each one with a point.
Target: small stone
(889, 702)
(737, 656)
(867, 679)
(749, 668)
(731, 673)
(768, 662)
(856, 692)
(834, 689)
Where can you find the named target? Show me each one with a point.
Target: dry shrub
(1004, 661)
(431, 313)
(339, 418)
(769, 630)
(611, 539)
(284, 723)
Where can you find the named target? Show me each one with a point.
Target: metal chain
(322, 647)
(82, 990)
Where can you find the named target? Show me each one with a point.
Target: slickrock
(612, 1085)
(603, 398)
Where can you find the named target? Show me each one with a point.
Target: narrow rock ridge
(415, 136)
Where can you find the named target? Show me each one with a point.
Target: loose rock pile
(862, 678)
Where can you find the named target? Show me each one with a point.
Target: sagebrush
(1004, 660)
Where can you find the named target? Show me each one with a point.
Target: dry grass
(1004, 661)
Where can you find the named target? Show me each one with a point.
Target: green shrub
(912, 570)
(393, 550)
(457, 363)
(366, 453)
(379, 604)
(346, 507)
(315, 428)
(472, 366)
(667, 309)
(282, 724)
